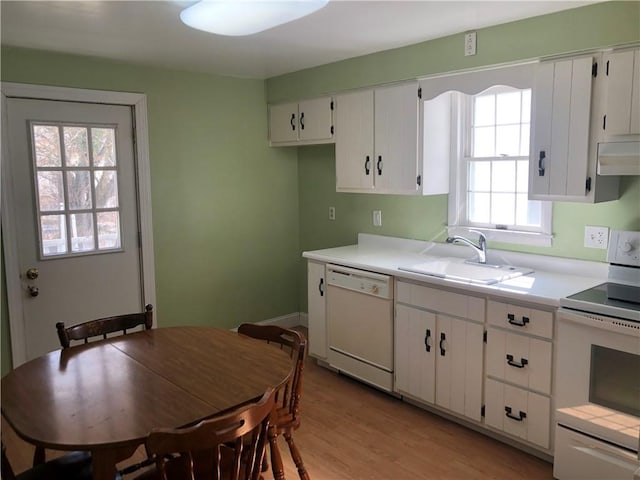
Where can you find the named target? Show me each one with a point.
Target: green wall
(225, 208)
(592, 27)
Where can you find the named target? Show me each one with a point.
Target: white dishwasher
(360, 324)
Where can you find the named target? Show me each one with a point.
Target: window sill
(505, 236)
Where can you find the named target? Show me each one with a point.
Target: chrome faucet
(480, 248)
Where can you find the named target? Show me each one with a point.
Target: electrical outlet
(469, 44)
(332, 213)
(377, 218)
(596, 237)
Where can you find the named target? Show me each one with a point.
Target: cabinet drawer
(455, 304)
(519, 359)
(521, 319)
(518, 412)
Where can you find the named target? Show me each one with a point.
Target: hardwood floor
(351, 431)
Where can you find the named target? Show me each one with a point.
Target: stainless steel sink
(461, 270)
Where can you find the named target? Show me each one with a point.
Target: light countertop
(553, 277)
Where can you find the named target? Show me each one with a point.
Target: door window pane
(76, 146)
(83, 188)
(53, 230)
(106, 188)
(108, 230)
(50, 191)
(104, 147)
(46, 143)
(79, 188)
(82, 238)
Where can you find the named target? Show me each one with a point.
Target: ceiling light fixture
(246, 17)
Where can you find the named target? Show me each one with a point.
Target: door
(72, 170)
(415, 352)
(283, 123)
(354, 141)
(396, 138)
(317, 310)
(562, 113)
(315, 119)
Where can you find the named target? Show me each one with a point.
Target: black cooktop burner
(612, 294)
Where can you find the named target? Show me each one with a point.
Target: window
(76, 183)
(489, 191)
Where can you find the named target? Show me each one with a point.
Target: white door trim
(143, 173)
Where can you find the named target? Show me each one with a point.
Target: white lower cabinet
(518, 412)
(438, 357)
(518, 385)
(316, 297)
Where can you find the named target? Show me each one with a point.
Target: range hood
(619, 158)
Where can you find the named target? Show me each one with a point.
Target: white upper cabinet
(564, 132)
(354, 141)
(561, 119)
(622, 93)
(301, 123)
(377, 140)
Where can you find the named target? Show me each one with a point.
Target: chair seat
(72, 466)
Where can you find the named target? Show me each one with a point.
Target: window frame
(461, 139)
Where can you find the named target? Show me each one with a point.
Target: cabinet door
(283, 123)
(396, 138)
(622, 108)
(561, 119)
(315, 119)
(415, 353)
(354, 141)
(316, 288)
(459, 347)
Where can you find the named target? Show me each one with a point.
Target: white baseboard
(287, 321)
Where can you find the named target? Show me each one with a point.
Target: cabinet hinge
(331, 104)
(604, 122)
(607, 73)
(420, 92)
(419, 180)
(588, 184)
(594, 69)
(331, 129)
(484, 336)
(482, 410)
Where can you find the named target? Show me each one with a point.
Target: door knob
(33, 291)
(32, 273)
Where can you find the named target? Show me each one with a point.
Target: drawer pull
(521, 416)
(523, 362)
(427, 340)
(512, 320)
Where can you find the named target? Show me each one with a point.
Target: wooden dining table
(106, 396)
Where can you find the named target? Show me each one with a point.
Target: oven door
(581, 457)
(598, 377)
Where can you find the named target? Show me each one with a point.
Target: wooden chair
(228, 446)
(73, 466)
(287, 418)
(104, 326)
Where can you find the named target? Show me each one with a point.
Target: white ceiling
(150, 32)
